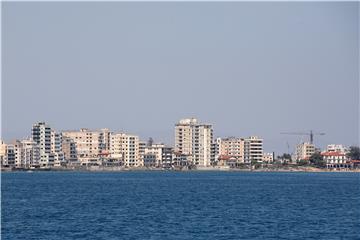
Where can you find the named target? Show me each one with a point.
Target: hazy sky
(247, 68)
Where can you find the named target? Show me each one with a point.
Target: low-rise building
(268, 157)
(336, 160)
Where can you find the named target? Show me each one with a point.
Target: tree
(354, 153)
(317, 160)
(303, 162)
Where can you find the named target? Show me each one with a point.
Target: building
(89, 144)
(7, 155)
(126, 147)
(304, 151)
(268, 157)
(233, 148)
(253, 149)
(105, 139)
(156, 150)
(167, 155)
(336, 148)
(49, 144)
(28, 154)
(150, 160)
(69, 149)
(194, 140)
(41, 134)
(336, 160)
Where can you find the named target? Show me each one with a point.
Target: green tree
(317, 160)
(354, 153)
(302, 162)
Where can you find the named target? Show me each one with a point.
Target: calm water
(180, 205)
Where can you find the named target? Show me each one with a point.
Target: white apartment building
(268, 157)
(304, 151)
(195, 140)
(336, 148)
(49, 143)
(41, 134)
(28, 154)
(126, 147)
(336, 159)
(156, 150)
(253, 149)
(7, 154)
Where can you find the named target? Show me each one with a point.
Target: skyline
(247, 68)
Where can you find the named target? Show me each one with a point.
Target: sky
(247, 68)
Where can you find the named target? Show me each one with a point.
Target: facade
(268, 157)
(253, 149)
(150, 160)
(126, 147)
(156, 150)
(69, 149)
(336, 159)
(50, 145)
(167, 156)
(304, 151)
(194, 140)
(29, 154)
(41, 134)
(89, 144)
(233, 148)
(336, 148)
(105, 139)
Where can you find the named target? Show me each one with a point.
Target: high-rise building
(233, 148)
(126, 147)
(194, 140)
(49, 142)
(156, 150)
(167, 155)
(89, 143)
(41, 134)
(69, 149)
(253, 149)
(304, 151)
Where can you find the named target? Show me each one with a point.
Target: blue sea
(180, 205)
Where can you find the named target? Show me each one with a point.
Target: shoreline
(208, 169)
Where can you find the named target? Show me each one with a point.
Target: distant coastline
(204, 169)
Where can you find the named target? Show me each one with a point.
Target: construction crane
(311, 134)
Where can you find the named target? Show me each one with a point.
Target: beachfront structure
(88, 143)
(69, 149)
(194, 140)
(253, 149)
(27, 153)
(336, 159)
(50, 146)
(41, 134)
(156, 150)
(304, 151)
(233, 148)
(268, 157)
(126, 147)
(167, 157)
